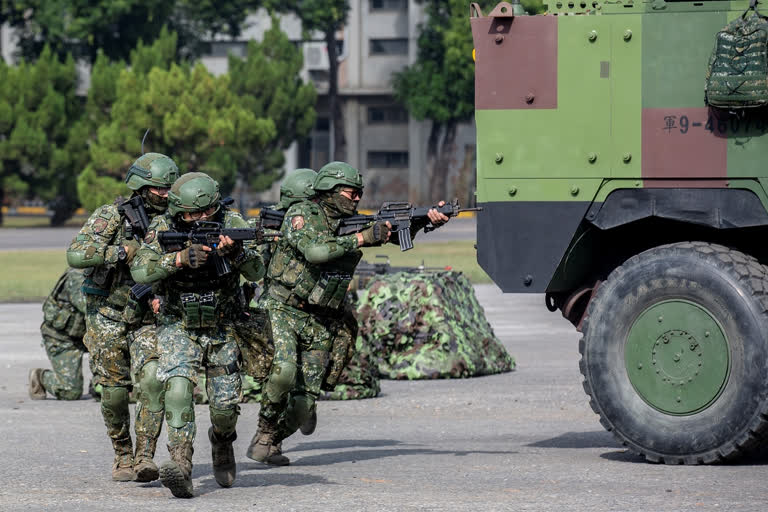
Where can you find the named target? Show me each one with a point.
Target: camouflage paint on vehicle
(572, 107)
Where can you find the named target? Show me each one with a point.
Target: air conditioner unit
(315, 56)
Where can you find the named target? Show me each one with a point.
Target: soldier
(62, 329)
(197, 318)
(308, 278)
(105, 247)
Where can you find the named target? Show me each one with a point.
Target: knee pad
(152, 394)
(299, 409)
(224, 420)
(281, 381)
(114, 405)
(179, 405)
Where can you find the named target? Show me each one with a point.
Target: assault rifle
(133, 210)
(400, 215)
(207, 233)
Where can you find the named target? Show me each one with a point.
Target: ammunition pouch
(64, 318)
(199, 310)
(134, 311)
(330, 290)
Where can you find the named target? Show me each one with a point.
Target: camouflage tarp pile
(428, 325)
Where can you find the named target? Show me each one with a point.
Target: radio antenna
(143, 139)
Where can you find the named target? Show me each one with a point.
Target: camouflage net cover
(429, 325)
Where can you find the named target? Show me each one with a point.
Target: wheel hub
(677, 357)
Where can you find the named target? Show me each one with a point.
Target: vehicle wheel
(675, 353)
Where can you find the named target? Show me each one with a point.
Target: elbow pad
(318, 254)
(84, 259)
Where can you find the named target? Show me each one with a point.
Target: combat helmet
(337, 173)
(193, 192)
(152, 170)
(297, 186)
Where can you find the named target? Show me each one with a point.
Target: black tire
(733, 287)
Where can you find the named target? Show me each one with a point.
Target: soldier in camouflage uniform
(105, 247)
(63, 328)
(197, 333)
(308, 278)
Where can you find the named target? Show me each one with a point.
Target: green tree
(40, 146)
(83, 27)
(268, 85)
(439, 86)
(327, 17)
(228, 126)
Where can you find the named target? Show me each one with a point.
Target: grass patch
(459, 255)
(27, 276)
(39, 221)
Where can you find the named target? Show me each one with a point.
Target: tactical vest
(298, 283)
(200, 296)
(737, 75)
(113, 281)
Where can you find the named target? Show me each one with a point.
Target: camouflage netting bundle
(429, 325)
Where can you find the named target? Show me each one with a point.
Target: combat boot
(308, 427)
(176, 474)
(36, 388)
(122, 468)
(144, 467)
(223, 455)
(265, 447)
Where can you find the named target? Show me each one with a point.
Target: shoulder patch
(99, 225)
(150, 237)
(297, 222)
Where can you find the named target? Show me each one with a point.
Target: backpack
(737, 75)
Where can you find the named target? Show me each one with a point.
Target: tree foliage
(230, 125)
(41, 143)
(85, 27)
(327, 17)
(440, 86)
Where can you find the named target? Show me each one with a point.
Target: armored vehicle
(609, 185)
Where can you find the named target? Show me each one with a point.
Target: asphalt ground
(60, 238)
(525, 440)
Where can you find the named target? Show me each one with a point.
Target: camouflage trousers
(150, 403)
(65, 379)
(189, 353)
(302, 343)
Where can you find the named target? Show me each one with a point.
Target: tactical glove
(232, 250)
(130, 248)
(193, 256)
(376, 234)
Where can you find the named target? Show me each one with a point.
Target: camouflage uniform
(111, 314)
(306, 286)
(197, 331)
(62, 329)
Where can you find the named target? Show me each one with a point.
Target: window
(389, 5)
(389, 46)
(224, 48)
(391, 114)
(388, 159)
